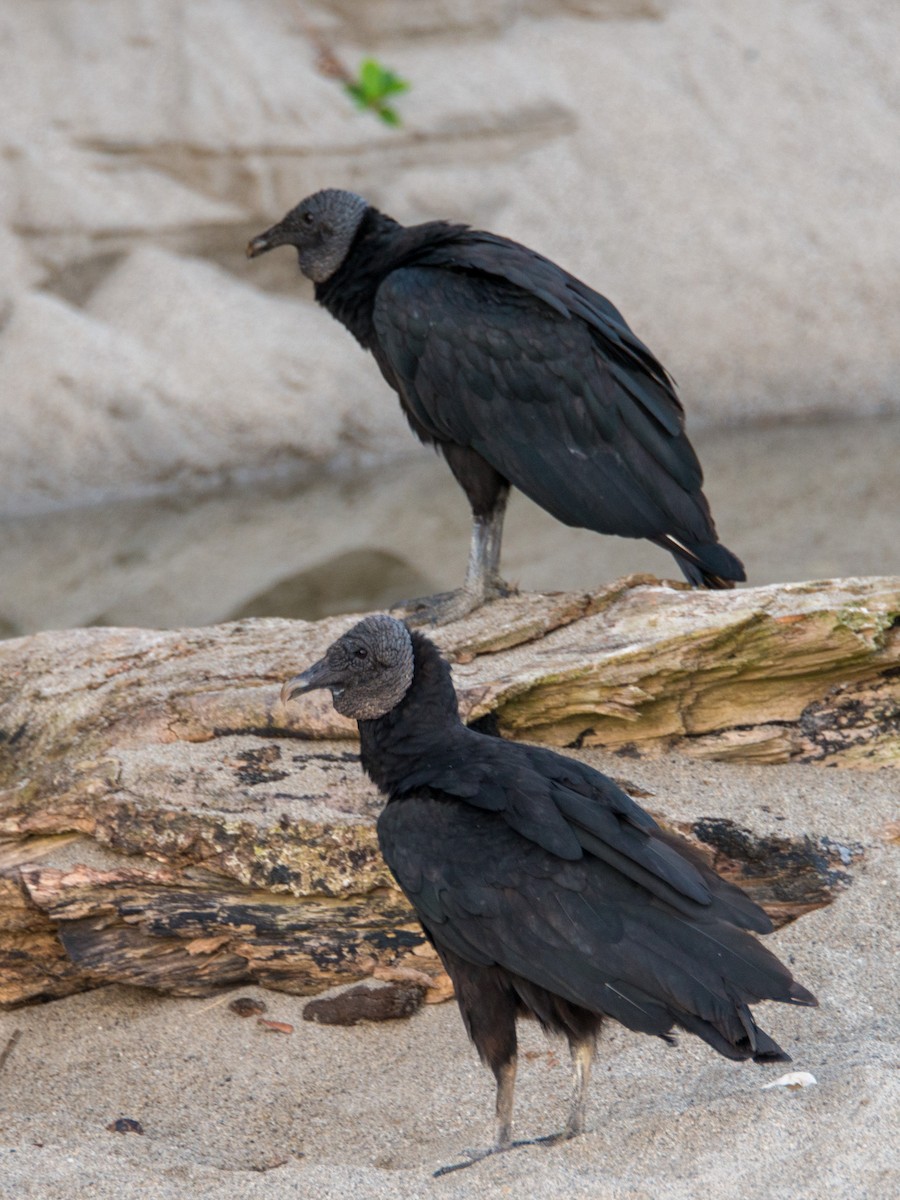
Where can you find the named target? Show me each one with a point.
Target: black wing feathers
(494, 348)
(538, 276)
(589, 934)
(567, 808)
(474, 358)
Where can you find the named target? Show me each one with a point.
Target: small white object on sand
(793, 1080)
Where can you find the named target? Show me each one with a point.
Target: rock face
(167, 822)
(725, 174)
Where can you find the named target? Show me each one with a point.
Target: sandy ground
(229, 1110)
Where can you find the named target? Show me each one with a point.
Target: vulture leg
(506, 1084)
(582, 1060)
(483, 572)
(488, 1009)
(488, 493)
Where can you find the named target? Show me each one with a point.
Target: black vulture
(545, 889)
(520, 375)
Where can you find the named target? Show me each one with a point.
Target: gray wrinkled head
(368, 670)
(322, 227)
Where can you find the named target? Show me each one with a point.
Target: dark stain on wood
(787, 876)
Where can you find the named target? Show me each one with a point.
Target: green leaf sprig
(373, 86)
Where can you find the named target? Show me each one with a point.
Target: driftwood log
(166, 822)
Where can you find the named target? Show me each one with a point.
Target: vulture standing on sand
(546, 890)
(520, 375)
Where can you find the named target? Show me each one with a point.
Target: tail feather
(800, 995)
(707, 565)
(704, 975)
(753, 1042)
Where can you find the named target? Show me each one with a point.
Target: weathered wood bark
(167, 822)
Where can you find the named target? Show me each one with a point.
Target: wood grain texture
(165, 821)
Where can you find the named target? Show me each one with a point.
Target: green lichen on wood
(760, 669)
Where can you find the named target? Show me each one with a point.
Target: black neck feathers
(381, 245)
(395, 745)
(349, 294)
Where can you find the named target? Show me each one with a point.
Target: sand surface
(229, 1110)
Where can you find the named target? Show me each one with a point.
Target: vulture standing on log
(520, 375)
(546, 890)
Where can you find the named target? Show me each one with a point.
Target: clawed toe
(436, 610)
(477, 1156)
(500, 590)
(445, 607)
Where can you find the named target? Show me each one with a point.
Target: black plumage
(546, 890)
(519, 374)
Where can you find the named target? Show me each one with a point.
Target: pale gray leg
(483, 580)
(483, 573)
(582, 1060)
(506, 1086)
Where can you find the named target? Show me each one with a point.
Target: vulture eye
(308, 218)
(362, 652)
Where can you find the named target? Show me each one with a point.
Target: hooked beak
(267, 241)
(319, 675)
